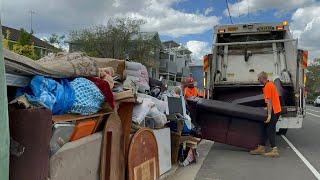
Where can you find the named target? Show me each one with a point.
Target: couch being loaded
(228, 123)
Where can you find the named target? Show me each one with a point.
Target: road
(299, 161)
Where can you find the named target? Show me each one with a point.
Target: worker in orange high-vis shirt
(190, 90)
(272, 100)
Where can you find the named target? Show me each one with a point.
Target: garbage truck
(241, 51)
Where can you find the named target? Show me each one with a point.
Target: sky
(189, 22)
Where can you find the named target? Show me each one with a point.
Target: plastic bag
(187, 127)
(159, 117)
(141, 110)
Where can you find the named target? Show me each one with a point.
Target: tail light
(279, 28)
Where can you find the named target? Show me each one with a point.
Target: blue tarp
(58, 97)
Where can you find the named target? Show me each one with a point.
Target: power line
(229, 12)
(238, 8)
(248, 8)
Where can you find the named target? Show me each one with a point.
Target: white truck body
(242, 51)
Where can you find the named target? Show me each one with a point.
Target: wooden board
(76, 117)
(143, 158)
(101, 120)
(112, 157)
(125, 114)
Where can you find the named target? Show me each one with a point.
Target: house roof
(15, 34)
(184, 50)
(145, 35)
(171, 44)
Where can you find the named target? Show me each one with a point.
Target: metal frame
(255, 42)
(4, 119)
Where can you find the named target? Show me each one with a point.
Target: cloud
(208, 11)
(242, 7)
(62, 16)
(171, 22)
(198, 49)
(305, 26)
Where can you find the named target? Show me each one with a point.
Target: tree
(111, 40)
(56, 41)
(313, 79)
(25, 45)
(5, 40)
(119, 39)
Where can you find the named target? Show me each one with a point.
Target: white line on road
(313, 110)
(306, 162)
(313, 114)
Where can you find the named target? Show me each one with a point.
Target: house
(150, 39)
(41, 48)
(174, 61)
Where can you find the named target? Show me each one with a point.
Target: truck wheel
(283, 131)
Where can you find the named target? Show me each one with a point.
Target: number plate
(265, 28)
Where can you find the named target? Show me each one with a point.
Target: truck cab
(240, 52)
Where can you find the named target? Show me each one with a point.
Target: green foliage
(118, 39)
(25, 50)
(313, 80)
(5, 40)
(37, 53)
(25, 38)
(56, 40)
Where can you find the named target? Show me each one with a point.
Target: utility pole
(31, 14)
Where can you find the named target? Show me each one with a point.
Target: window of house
(171, 57)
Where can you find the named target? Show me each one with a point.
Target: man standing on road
(272, 100)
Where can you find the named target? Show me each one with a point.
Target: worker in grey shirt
(179, 90)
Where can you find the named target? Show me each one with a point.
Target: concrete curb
(189, 172)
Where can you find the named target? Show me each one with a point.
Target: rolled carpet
(132, 73)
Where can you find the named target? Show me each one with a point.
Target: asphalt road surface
(299, 157)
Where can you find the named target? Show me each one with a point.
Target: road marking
(313, 110)
(313, 114)
(305, 161)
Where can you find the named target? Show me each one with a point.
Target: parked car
(317, 101)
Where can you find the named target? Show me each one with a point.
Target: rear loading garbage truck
(242, 51)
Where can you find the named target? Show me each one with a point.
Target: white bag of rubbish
(160, 118)
(131, 82)
(161, 105)
(140, 111)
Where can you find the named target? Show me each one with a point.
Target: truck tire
(282, 131)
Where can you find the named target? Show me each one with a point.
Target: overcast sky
(189, 22)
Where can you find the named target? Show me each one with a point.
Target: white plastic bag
(159, 117)
(141, 110)
(161, 105)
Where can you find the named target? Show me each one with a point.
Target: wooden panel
(32, 129)
(76, 117)
(112, 158)
(125, 114)
(143, 158)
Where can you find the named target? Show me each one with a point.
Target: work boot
(260, 150)
(273, 153)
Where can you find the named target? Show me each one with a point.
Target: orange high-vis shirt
(192, 92)
(270, 92)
